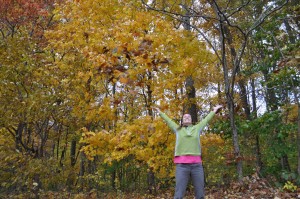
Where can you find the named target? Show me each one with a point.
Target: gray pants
(183, 174)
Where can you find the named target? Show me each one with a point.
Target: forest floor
(221, 193)
(252, 188)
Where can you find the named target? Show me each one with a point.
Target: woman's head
(186, 120)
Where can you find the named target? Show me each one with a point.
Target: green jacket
(187, 138)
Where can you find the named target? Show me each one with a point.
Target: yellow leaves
(213, 147)
(87, 134)
(188, 66)
(110, 48)
(147, 141)
(212, 140)
(95, 143)
(99, 60)
(129, 35)
(291, 112)
(143, 153)
(124, 80)
(105, 112)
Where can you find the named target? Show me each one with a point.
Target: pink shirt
(187, 159)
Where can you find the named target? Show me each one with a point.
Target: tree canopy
(79, 81)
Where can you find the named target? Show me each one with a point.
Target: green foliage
(289, 186)
(222, 126)
(93, 78)
(276, 138)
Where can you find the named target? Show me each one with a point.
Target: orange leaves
(20, 12)
(124, 80)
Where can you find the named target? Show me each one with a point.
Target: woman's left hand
(217, 108)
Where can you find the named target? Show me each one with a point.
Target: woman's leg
(197, 175)
(183, 173)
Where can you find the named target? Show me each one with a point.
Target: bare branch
(179, 17)
(264, 15)
(225, 18)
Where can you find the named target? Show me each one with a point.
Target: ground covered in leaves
(251, 188)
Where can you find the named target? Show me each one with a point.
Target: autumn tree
(79, 80)
(27, 100)
(111, 63)
(230, 46)
(23, 89)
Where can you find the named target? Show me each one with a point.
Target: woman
(188, 152)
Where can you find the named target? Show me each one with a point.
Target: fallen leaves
(253, 187)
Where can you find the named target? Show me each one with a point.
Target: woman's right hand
(157, 109)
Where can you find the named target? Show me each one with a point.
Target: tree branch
(263, 16)
(179, 17)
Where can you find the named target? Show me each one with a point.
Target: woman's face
(186, 120)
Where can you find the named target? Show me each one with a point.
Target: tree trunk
(73, 153)
(82, 164)
(285, 163)
(113, 179)
(191, 94)
(148, 102)
(241, 82)
(244, 99)
(18, 137)
(235, 140)
(298, 139)
(271, 99)
(289, 31)
(259, 163)
(253, 94)
(189, 82)
(229, 97)
(151, 182)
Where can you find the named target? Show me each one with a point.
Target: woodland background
(79, 78)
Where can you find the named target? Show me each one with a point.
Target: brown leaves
(251, 187)
(216, 193)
